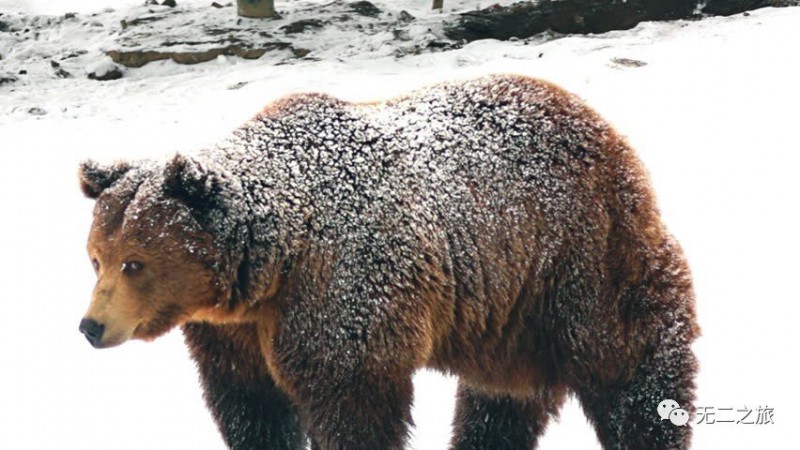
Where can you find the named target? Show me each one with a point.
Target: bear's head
(158, 258)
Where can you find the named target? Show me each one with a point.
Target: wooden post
(438, 4)
(256, 8)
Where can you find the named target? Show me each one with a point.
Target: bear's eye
(131, 267)
(95, 264)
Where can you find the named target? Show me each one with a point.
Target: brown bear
(495, 229)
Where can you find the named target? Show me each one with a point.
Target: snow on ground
(38, 49)
(713, 113)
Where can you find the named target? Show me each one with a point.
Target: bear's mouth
(165, 319)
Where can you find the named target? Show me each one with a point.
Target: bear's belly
(517, 374)
(499, 348)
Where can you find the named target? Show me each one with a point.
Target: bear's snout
(93, 331)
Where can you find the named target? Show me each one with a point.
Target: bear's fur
(495, 229)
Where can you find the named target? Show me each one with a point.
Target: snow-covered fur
(496, 229)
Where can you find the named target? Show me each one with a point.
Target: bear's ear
(198, 184)
(95, 178)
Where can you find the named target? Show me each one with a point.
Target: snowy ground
(713, 113)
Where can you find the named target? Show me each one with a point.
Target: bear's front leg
(349, 398)
(372, 413)
(250, 411)
(346, 354)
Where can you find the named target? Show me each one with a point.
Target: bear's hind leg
(628, 342)
(250, 411)
(625, 414)
(483, 421)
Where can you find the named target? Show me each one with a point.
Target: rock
(145, 19)
(238, 85)
(70, 15)
(301, 26)
(3, 26)
(170, 3)
(59, 71)
(75, 54)
(527, 19)
(7, 78)
(627, 62)
(150, 3)
(216, 5)
(563, 16)
(138, 58)
(439, 45)
(300, 52)
(105, 71)
(364, 8)
(405, 17)
(37, 111)
(23, 72)
(401, 35)
(730, 7)
(430, 46)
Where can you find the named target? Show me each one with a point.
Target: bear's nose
(92, 330)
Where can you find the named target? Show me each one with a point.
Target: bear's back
(463, 159)
(499, 137)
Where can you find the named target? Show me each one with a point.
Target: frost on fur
(94, 178)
